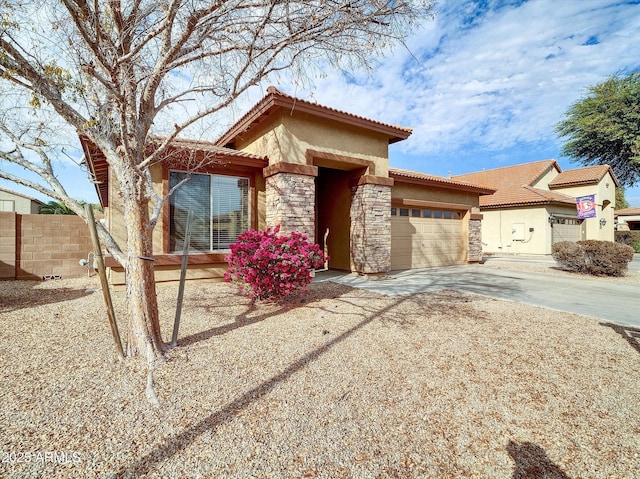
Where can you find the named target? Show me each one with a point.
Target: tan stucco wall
(604, 195)
(498, 226)
(422, 193)
(622, 221)
(115, 212)
(288, 137)
(543, 181)
(21, 205)
(156, 176)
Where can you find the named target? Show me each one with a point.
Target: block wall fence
(36, 247)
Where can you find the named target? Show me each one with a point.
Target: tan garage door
(566, 229)
(421, 238)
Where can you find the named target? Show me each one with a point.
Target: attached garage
(422, 238)
(566, 229)
(432, 221)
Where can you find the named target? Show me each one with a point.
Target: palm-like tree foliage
(604, 127)
(55, 208)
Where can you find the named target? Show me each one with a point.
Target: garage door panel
(426, 228)
(426, 242)
(566, 232)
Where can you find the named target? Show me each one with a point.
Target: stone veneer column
(475, 238)
(371, 228)
(290, 203)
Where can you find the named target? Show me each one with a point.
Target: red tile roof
(275, 100)
(209, 147)
(437, 181)
(633, 211)
(513, 185)
(588, 175)
(99, 168)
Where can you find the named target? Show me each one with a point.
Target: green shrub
(630, 238)
(599, 258)
(569, 255)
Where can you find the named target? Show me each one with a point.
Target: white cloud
(498, 78)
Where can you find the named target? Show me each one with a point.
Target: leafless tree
(115, 70)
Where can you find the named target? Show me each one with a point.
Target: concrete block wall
(39, 246)
(371, 228)
(7, 245)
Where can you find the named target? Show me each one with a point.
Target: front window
(220, 211)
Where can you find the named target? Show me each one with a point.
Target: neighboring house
(628, 219)
(307, 168)
(534, 206)
(18, 203)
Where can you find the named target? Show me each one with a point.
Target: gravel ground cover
(514, 264)
(338, 383)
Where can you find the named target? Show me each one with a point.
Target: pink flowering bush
(273, 266)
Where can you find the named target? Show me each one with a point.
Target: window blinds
(220, 211)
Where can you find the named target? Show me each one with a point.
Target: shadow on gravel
(532, 462)
(247, 318)
(240, 321)
(630, 335)
(173, 445)
(25, 296)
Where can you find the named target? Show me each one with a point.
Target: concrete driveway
(612, 302)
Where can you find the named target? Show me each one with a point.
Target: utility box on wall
(517, 232)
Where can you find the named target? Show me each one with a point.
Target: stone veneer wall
(290, 203)
(475, 240)
(371, 228)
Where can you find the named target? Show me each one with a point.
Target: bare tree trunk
(144, 338)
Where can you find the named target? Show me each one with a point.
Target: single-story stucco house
(307, 168)
(628, 219)
(19, 203)
(534, 206)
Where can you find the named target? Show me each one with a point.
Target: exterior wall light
(602, 222)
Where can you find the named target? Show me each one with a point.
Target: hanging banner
(586, 206)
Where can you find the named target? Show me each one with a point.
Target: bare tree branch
(112, 70)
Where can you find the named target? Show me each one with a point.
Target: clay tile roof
(582, 176)
(99, 168)
(511, 176)
(432, 180)
(275, 99)
(209, 147)
(633, 211)
(513, 185)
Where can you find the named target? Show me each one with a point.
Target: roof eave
(481, 190)
(553, 164)
(524, 204)
(275, 100)
(101, 191)
(570, 184)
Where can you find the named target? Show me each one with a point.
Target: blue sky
(482, 85)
